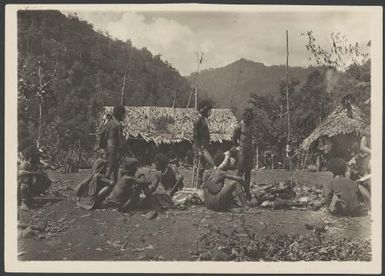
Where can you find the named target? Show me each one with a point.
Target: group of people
(117, 180)
(134, 189)
(342, 196)
(219, 194)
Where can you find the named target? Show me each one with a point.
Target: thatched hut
(163, 128)
(342, 129)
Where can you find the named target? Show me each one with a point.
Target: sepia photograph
(197, 137)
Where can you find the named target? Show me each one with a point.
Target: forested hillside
(232, 84)
(67, 72)
(73, 71)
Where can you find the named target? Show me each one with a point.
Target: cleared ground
(77, 234)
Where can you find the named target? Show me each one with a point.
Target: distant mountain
(232, 84)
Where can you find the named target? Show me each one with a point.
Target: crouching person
(342, 195)
(171, 179)
(125, 195)
(32, 181)
(96, 186)
(219, 194)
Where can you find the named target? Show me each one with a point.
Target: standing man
(115, 142)
(242, 137)
(201, 136)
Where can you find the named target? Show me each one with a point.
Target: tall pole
(40, 107)
(173, 102)
(288, 107)
(287, 86)
(124, 85)
(194, 84)
(236, 87)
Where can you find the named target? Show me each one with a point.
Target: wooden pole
(194, 81)
(288, 106)
(235, 88)
(124, 85)
(287, 85)
(257, 165)
(40, 107)
(149, 110)
(173, 102)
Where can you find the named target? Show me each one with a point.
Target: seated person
(126, 193)
(32, 181)
(171, 179)
(342, 195)
(96, 186)
(219, 193)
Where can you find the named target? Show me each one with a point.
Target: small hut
(164, 128)
(338, 134)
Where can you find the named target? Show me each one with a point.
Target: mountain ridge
(232, 84)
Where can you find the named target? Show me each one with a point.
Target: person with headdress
(242, 137)
(201, 137)
(96, 186)
(342, 195)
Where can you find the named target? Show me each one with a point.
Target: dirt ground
(77, 234)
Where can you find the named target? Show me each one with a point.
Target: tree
(341, 54)
(82, 70)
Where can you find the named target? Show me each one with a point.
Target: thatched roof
(172, 125)
(338, 123)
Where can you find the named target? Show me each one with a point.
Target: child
(342, 196)
(219, 193)
(126, 193)
(168, 175)
(96, 185)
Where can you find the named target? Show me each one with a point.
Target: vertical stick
(194, 81)
(40, 107)
(257, 165)
(149, 110)
(288, 105)
(124, 85)
(287, 85)
(173, 102)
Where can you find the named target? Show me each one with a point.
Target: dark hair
(119, 112)
(129, 165)
(337, 166)
(205, 105)
(161, 159)
(31, 152)
(218, 158)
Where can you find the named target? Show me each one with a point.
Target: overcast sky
(225, 37)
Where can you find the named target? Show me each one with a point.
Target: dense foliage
(310, 103)
(72, 71)
(67, 72)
